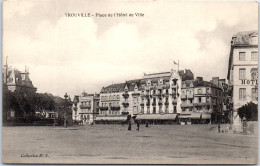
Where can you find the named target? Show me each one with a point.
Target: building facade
(154, 98)
(201, 102)
(85, 108)
(243, 70)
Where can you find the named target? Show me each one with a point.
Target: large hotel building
(167, 97)
(243, 70)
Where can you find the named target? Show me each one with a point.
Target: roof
(243, 38)
(240, 39)
(197, 83)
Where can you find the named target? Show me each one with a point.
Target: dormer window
(160, 81)
(136, 88)
(254, 40)
(148, 82)
(184, 85)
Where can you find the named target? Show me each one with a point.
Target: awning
(183, 116)
(111, 118)
(156, 117)
(195, 115)
(206, 116)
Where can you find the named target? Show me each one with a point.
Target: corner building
(243, 70)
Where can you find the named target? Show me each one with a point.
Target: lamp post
(65, 113)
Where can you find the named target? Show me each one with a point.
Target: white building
(243, 70)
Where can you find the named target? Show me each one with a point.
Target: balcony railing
(190, 96)
(125, 104)
(115, 108)
(103, 108)
(166, 103)
(125, 95)
(183, 96)
(202, 104)
(186, 104)
(160, 102)
(85, 106)
(174, 102)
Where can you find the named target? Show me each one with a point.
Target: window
(142, 110)
(254, 93)
(174, 109)
(254, 56)
(166, 109)
(242, 56)
(199, 99)
(242, 93)
(154, 110)
(242, 74)
(148, 110)
(207, 90)
(199, 91)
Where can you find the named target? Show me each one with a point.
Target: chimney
(215, 80)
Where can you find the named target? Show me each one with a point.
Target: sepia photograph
(129, 82)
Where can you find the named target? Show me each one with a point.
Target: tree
(248, 110)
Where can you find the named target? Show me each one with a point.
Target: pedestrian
(129, 125)
(146, 123)
(219, 127)
(138, 125)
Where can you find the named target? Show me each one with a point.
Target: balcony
(85, 106)
(135, 94)
(166, 103)
(125, 104)
(186, 104)
(190, 96)
(115, 108)
(183, 96)
(103, 108)
(148, 103)
(142, 104)
(160, 102)
(174, 102)
(125, 95)
(154, 104)
(202, 104)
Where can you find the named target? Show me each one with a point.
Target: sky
(76, 54)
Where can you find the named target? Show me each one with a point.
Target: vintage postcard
(129, 82)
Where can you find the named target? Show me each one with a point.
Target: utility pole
(65, 113)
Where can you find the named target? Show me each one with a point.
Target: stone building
(14, 79)
(85, 108)
(201, 101)
(154, 98)
(243, 70)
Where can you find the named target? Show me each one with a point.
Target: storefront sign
(249, 82)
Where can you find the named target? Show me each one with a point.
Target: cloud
(72, 54)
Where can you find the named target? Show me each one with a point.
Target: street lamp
(65, 113)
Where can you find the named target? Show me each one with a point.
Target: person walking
(138, 125)
(146, 123)
(219, 127)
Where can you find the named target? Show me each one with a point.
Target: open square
(157, 144)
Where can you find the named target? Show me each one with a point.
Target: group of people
(137, 124)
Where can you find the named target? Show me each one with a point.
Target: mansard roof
(244, 38)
